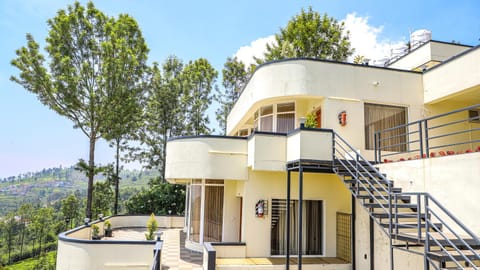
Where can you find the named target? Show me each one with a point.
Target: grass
(30, 264)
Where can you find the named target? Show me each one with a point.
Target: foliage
(160, 199)
(95, 230)
(234, 78)
(108, 224)
(87, 53)
(152, 226)
(311, 35)
(47, 260)
(200, 77)
(359, 59)
(310, 121)
(102, 199)
(177, 100)
(71, 210)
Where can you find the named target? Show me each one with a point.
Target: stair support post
(390, 221)
(287, 256)
(427, 228)
(300, 216)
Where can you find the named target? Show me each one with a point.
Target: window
(312, 227)
(275, 118)
(380, 117)
(205, 224)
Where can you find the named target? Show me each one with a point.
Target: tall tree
(199, 77)
(78, 80)
(25, 213)
(163, 114)
(234, 78)
(125, 92)
(311, 35)
(70, 209)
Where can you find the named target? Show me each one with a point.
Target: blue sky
(33, 137)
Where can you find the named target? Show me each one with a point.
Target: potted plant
(108, 228)
(152, 226)
(95, 232)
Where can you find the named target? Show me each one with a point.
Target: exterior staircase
(408, 219)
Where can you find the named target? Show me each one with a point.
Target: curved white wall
(294, 79)
(206, 157)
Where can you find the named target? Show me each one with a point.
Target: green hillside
(50, 185)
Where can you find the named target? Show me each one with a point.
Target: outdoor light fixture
(100, 216)
(86, 220)
(376, 83)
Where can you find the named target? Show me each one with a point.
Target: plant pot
(96, 237)
(108, 232)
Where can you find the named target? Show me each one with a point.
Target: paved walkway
(174, 254)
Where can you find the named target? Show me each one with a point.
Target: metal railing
(445, 238)
(444, 133)
(443, 234)
(365, 176)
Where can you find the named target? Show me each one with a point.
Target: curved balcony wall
(77, 252)
(206, 157)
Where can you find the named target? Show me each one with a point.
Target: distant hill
(49, 185)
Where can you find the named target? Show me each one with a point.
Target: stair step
(365, 181)
(398, 215)
(447, 256)
(360, 189)
(385, 205)
(408, 225)
(403, 198)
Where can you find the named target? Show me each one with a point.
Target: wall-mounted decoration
(342, 118)
(261, 208)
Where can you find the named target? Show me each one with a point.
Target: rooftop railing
(449, 133)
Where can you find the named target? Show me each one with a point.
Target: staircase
(408, 219)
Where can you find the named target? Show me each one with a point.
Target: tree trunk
(116, 176)
(91, 174)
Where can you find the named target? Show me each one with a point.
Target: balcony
(127, 249)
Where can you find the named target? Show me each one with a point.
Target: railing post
(419, 216)
(333, 150)
(157, 252)
(420, 139)
(375, 143)
(379, 138)
(427, 145)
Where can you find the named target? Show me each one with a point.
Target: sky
(32, 137)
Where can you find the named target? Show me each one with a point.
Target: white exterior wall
(272, 185)
(452, 180)
(206, 158)
(459, 75)
(301, 79)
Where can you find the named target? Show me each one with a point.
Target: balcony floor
(174, 254)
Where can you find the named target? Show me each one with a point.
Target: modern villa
(332, 165)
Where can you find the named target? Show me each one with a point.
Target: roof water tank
(419, 37)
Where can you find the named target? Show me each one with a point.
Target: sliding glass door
(312, 227)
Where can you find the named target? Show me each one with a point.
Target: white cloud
(256, 49)
(364, 38)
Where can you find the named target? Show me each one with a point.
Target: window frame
(257, 118)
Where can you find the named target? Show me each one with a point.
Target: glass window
(206, 225)
(275, 118)
(195, 212)
(380, 117)
(312, 227)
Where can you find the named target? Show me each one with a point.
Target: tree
(70, 209)
(102, 199)
(42, 224)
(234, 78)
(199, 78)
(87, 54)
(310, 35)
(160, 198)
(9, 227)
(164, 113)
(25, 212)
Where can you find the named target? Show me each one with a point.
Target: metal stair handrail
(360, 169)
(429, 209)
